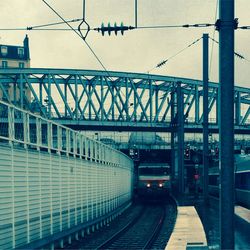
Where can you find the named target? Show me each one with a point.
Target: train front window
(154, 171)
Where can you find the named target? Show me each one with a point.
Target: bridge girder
(120, 99)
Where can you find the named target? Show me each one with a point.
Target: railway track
(139, 233)
(142, 226)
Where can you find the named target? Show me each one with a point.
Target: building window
(4, 64)
(21, 65)
(4, 50)
(20, 52)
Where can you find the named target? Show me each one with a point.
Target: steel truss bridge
(99, 100)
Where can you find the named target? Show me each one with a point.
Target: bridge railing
(30, 130)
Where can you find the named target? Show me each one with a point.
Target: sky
(138, 50)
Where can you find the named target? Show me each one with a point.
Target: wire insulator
(161, 63)
(244, 27)
(239, 55)
(197, 25)
(235, 53)
(114, 28)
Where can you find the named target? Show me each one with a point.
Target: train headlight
(148, 185)
(160, 185)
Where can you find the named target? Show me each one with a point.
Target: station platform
(188, 232)
(197, 225)
(243, 214)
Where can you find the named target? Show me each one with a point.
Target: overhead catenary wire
(235, 53)
(40, 27)
(244, 27)
(212, 49)
(83, 38)
(163, 62)
(55, 29)
(52, 24)
(97, 58)
(197, 25)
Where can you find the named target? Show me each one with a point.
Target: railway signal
(114, 28)
(187, 154)
(134, 154)
(196, 177)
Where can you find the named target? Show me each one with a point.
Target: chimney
(26, 46)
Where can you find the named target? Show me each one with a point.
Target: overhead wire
(40, 27)
(171, 57)
(79, 33)
(53, 24)
(244, 27)
(212, 49)
(197, 25)
(240, 56)
(95, 55)
(84, 39)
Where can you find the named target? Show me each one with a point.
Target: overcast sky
(137, 50)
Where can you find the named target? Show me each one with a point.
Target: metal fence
(55, 182)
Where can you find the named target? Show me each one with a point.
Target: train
(154, 180)
(242, 180)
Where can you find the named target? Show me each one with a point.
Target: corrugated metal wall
(43, 193)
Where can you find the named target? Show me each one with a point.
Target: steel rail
(156, 231)
(150, 240)
(122, 231)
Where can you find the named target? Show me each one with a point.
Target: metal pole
(66, 99)
(49, 97)
(21, 91)
(180, 138)
(151, 101)
(135, 13)
(205, 117)
(237, 109)
(226, 27)
(197, 105)
(83, 10)
(76, 98)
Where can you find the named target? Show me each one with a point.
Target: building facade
(15, 56)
